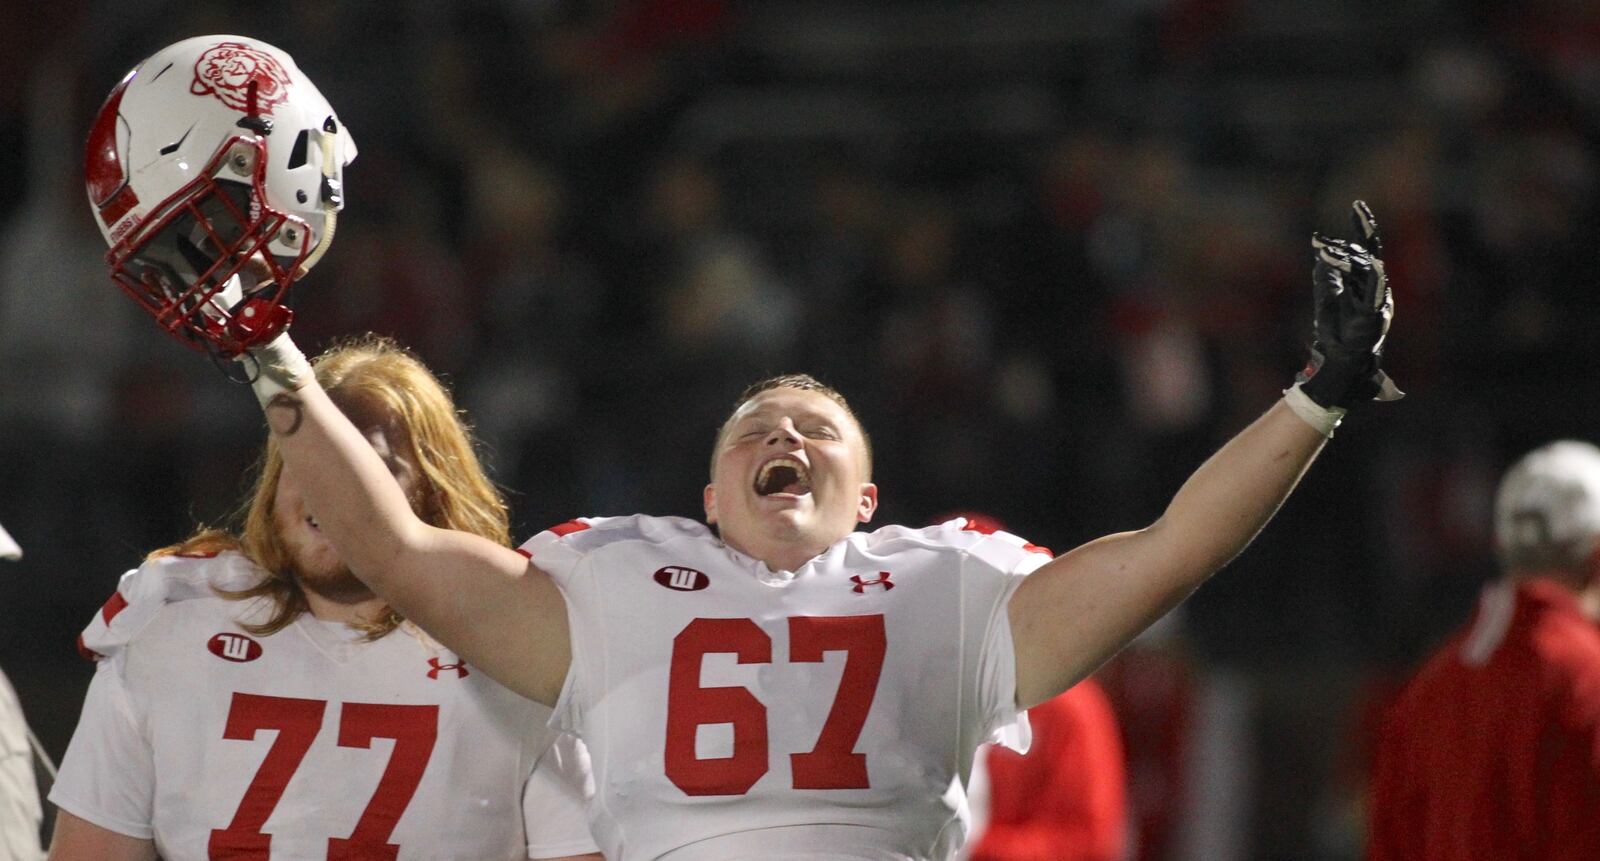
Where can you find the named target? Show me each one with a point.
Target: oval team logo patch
(682, 579)
(226, 71)
(234, 647)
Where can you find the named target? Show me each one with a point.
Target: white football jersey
(735, 712)
(310, 743)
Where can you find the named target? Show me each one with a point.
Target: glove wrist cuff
(1338, 382)
(1322, 419)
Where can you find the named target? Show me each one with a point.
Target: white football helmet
(215, 153)
(1547, 510)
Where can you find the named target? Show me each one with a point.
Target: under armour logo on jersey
(459, 666)
(861, 584)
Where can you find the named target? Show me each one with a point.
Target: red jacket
(1493, 749)
(1066, 800)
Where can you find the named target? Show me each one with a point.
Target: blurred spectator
(1154, 687)
(1066, 799)
(20, 813)
(1493, 749)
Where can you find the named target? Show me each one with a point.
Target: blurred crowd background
(1054, 252)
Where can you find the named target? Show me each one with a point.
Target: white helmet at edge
(1547, 510)
(214, 153)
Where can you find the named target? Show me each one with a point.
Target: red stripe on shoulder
(980, 524)
(525, 554)
(1034, 548)
(87, 653)
(114, 605)
(568, 528)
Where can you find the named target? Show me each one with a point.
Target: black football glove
(1351, 311)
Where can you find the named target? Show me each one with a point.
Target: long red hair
(454, 493)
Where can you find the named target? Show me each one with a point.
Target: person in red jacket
(1493, 749)
(1066, 799)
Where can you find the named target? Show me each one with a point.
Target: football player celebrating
(788, 687)
(253, 700)
(785, 686)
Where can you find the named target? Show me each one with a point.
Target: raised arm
(1075, 612)
(483, 600)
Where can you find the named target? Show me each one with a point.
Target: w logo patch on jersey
(436, 667)
(234, 647)
(681, 579)
(882, 580)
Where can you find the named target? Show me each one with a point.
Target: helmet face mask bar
(202, 266)
(215, 171)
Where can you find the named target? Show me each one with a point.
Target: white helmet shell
(1547, 510)
(213, 152)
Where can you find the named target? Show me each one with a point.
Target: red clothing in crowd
(1493, 749)
(1066, 800)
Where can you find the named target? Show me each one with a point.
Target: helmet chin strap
(330, 202)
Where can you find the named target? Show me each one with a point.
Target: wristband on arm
(1322, 419)
(280, 368)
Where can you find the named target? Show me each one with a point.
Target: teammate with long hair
(231, 633)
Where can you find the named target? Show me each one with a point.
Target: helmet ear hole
(297, 155)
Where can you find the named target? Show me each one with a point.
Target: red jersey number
(297, 722)
(831, 764)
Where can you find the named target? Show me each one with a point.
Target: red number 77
(297, 722)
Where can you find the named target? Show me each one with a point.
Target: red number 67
(831, 764)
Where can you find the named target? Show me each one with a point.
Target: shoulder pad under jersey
(587, 534)
(143, 592)
(998, 548)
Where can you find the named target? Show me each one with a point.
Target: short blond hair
(804, 383)
(454, 492)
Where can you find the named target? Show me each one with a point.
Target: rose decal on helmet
(226, 71)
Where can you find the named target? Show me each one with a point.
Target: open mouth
(783, 475)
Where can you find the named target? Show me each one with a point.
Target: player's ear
(867, 505)
(709, 499)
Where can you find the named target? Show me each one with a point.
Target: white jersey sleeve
(993, 566)
(108, 772)
(19, 798)
(553, 802)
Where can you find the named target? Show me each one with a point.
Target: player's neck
(365, 610)
(1585, 589)
(778, 555)
(1589, 601)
